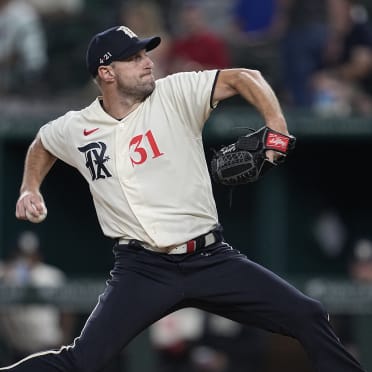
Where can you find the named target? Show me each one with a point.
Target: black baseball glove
(245, 160)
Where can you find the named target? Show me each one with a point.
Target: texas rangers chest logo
(95, 159)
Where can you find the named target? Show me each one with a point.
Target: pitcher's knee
(308, 311)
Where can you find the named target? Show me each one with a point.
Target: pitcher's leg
(129, 304)
(113, 322)
(248, 293)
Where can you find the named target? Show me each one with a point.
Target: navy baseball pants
(146, 286)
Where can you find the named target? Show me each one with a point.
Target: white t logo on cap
(127, 31)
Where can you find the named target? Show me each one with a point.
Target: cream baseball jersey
(147, 172)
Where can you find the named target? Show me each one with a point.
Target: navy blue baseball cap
(115, 44)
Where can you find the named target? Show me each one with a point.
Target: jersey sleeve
(56, 139)
(192, 95)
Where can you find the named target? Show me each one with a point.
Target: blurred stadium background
(302, 220)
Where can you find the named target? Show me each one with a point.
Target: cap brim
(147, 44)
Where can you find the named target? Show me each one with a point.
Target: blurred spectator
(195, 46)
(330, 232)
(173, 338)
(192, 340)
(146, 18)
(307, 27)
(257, 20)
(50, 8)
(229, 346)
(257, 26)
(360, 268)
(360, 271)
(216, 13)
(29, 328)
(344, 84)
(23, 50)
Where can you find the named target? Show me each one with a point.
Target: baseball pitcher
(139, 146)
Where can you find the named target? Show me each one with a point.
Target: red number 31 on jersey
(140, 153)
